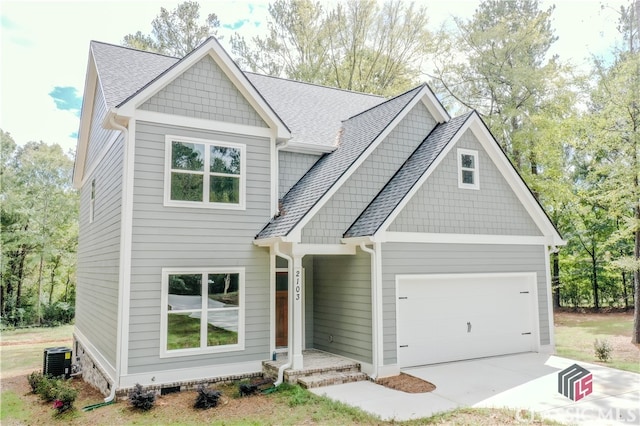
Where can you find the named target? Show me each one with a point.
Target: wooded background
(573, 134)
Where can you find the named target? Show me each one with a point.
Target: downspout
(374, 308)
(276, 250)
(125, 136)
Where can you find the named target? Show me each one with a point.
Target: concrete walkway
(524, 381)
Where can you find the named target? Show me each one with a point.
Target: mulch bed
(406, 383)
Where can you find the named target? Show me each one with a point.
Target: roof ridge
(386, 102)
(134, 49)
(355, 92)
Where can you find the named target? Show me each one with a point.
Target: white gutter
(121, 298)
(375, 296)
(276, 250)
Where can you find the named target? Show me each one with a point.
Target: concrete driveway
(524, 381)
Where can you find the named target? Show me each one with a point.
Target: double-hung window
(468, 177)
(202, 311)
(204, 173)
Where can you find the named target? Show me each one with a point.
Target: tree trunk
(635, 337)
(555, 280)
(625, 294)
(594, 268)
(38, 316)
(54, 268)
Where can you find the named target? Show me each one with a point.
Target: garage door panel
(456, 317)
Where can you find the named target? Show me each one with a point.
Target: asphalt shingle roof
(405, 178)
(356, 135)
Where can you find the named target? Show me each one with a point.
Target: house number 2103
(298, 283)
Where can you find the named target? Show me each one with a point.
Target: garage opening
(452, 317)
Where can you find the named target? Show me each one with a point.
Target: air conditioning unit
(57, 362)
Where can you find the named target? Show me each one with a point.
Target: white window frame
(164, 302)
(475, 170)
(92, 201)
(241, 205)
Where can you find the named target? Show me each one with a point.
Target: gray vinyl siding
(342, 305)
(98, 136)
(99, 254)
(441, 207)
(335, 217)
(170, 237)
(416, 258)
(204, 91)
(292, 166)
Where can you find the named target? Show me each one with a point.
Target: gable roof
(405, 183)
(406, 177)
(357, 134)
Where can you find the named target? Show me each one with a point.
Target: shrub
(47, 388)
(34, 380)
(603, 350)
(141, 399)
(65, 396)
(207, 398)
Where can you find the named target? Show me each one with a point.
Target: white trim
(309, 148)
(168, 202)
(272, 300)
(182, 375)
(296, 232)
(435, 107)
(203, 349)
(202, 124)
(96, 355)
(322, 249)
(379, 307)
(91, 81)
(548, 287)
(461, 169)
(417, 237)
(213, 49)
(388, 370)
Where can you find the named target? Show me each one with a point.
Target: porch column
(296, 317)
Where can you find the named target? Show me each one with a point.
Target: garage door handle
(526, 333)
(468, 326)
(404, 346)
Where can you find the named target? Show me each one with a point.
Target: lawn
(577, 332)
(291, 405)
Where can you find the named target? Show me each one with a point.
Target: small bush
(207, 398)
(34, 380)
(65, 396)
(603, 350)
(47, 388)
(141, 399)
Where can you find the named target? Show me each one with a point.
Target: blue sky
(44, 48)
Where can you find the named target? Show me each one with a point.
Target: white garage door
(445, 318)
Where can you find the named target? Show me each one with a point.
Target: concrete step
(331, 378)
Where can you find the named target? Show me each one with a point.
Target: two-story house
(227, 215)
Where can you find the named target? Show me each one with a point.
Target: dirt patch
(406, 383)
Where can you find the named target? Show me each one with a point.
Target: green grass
(576, 333)
(184, 332)
(12, 407)
(15, 358)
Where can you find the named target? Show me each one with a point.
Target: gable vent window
(92, 201)
(202, 173)
(468, 177)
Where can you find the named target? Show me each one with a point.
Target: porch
(320, 369)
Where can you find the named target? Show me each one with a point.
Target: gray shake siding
(204, 91)
(441, 207)
(99, 254)
(342, 305)
(416, 258)
(293, 166)
(98, 136)
(165, 237)
(335, 217)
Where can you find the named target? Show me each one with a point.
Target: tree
(358, 45)
(176, 32)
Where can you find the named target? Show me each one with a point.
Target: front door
(282, 309)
